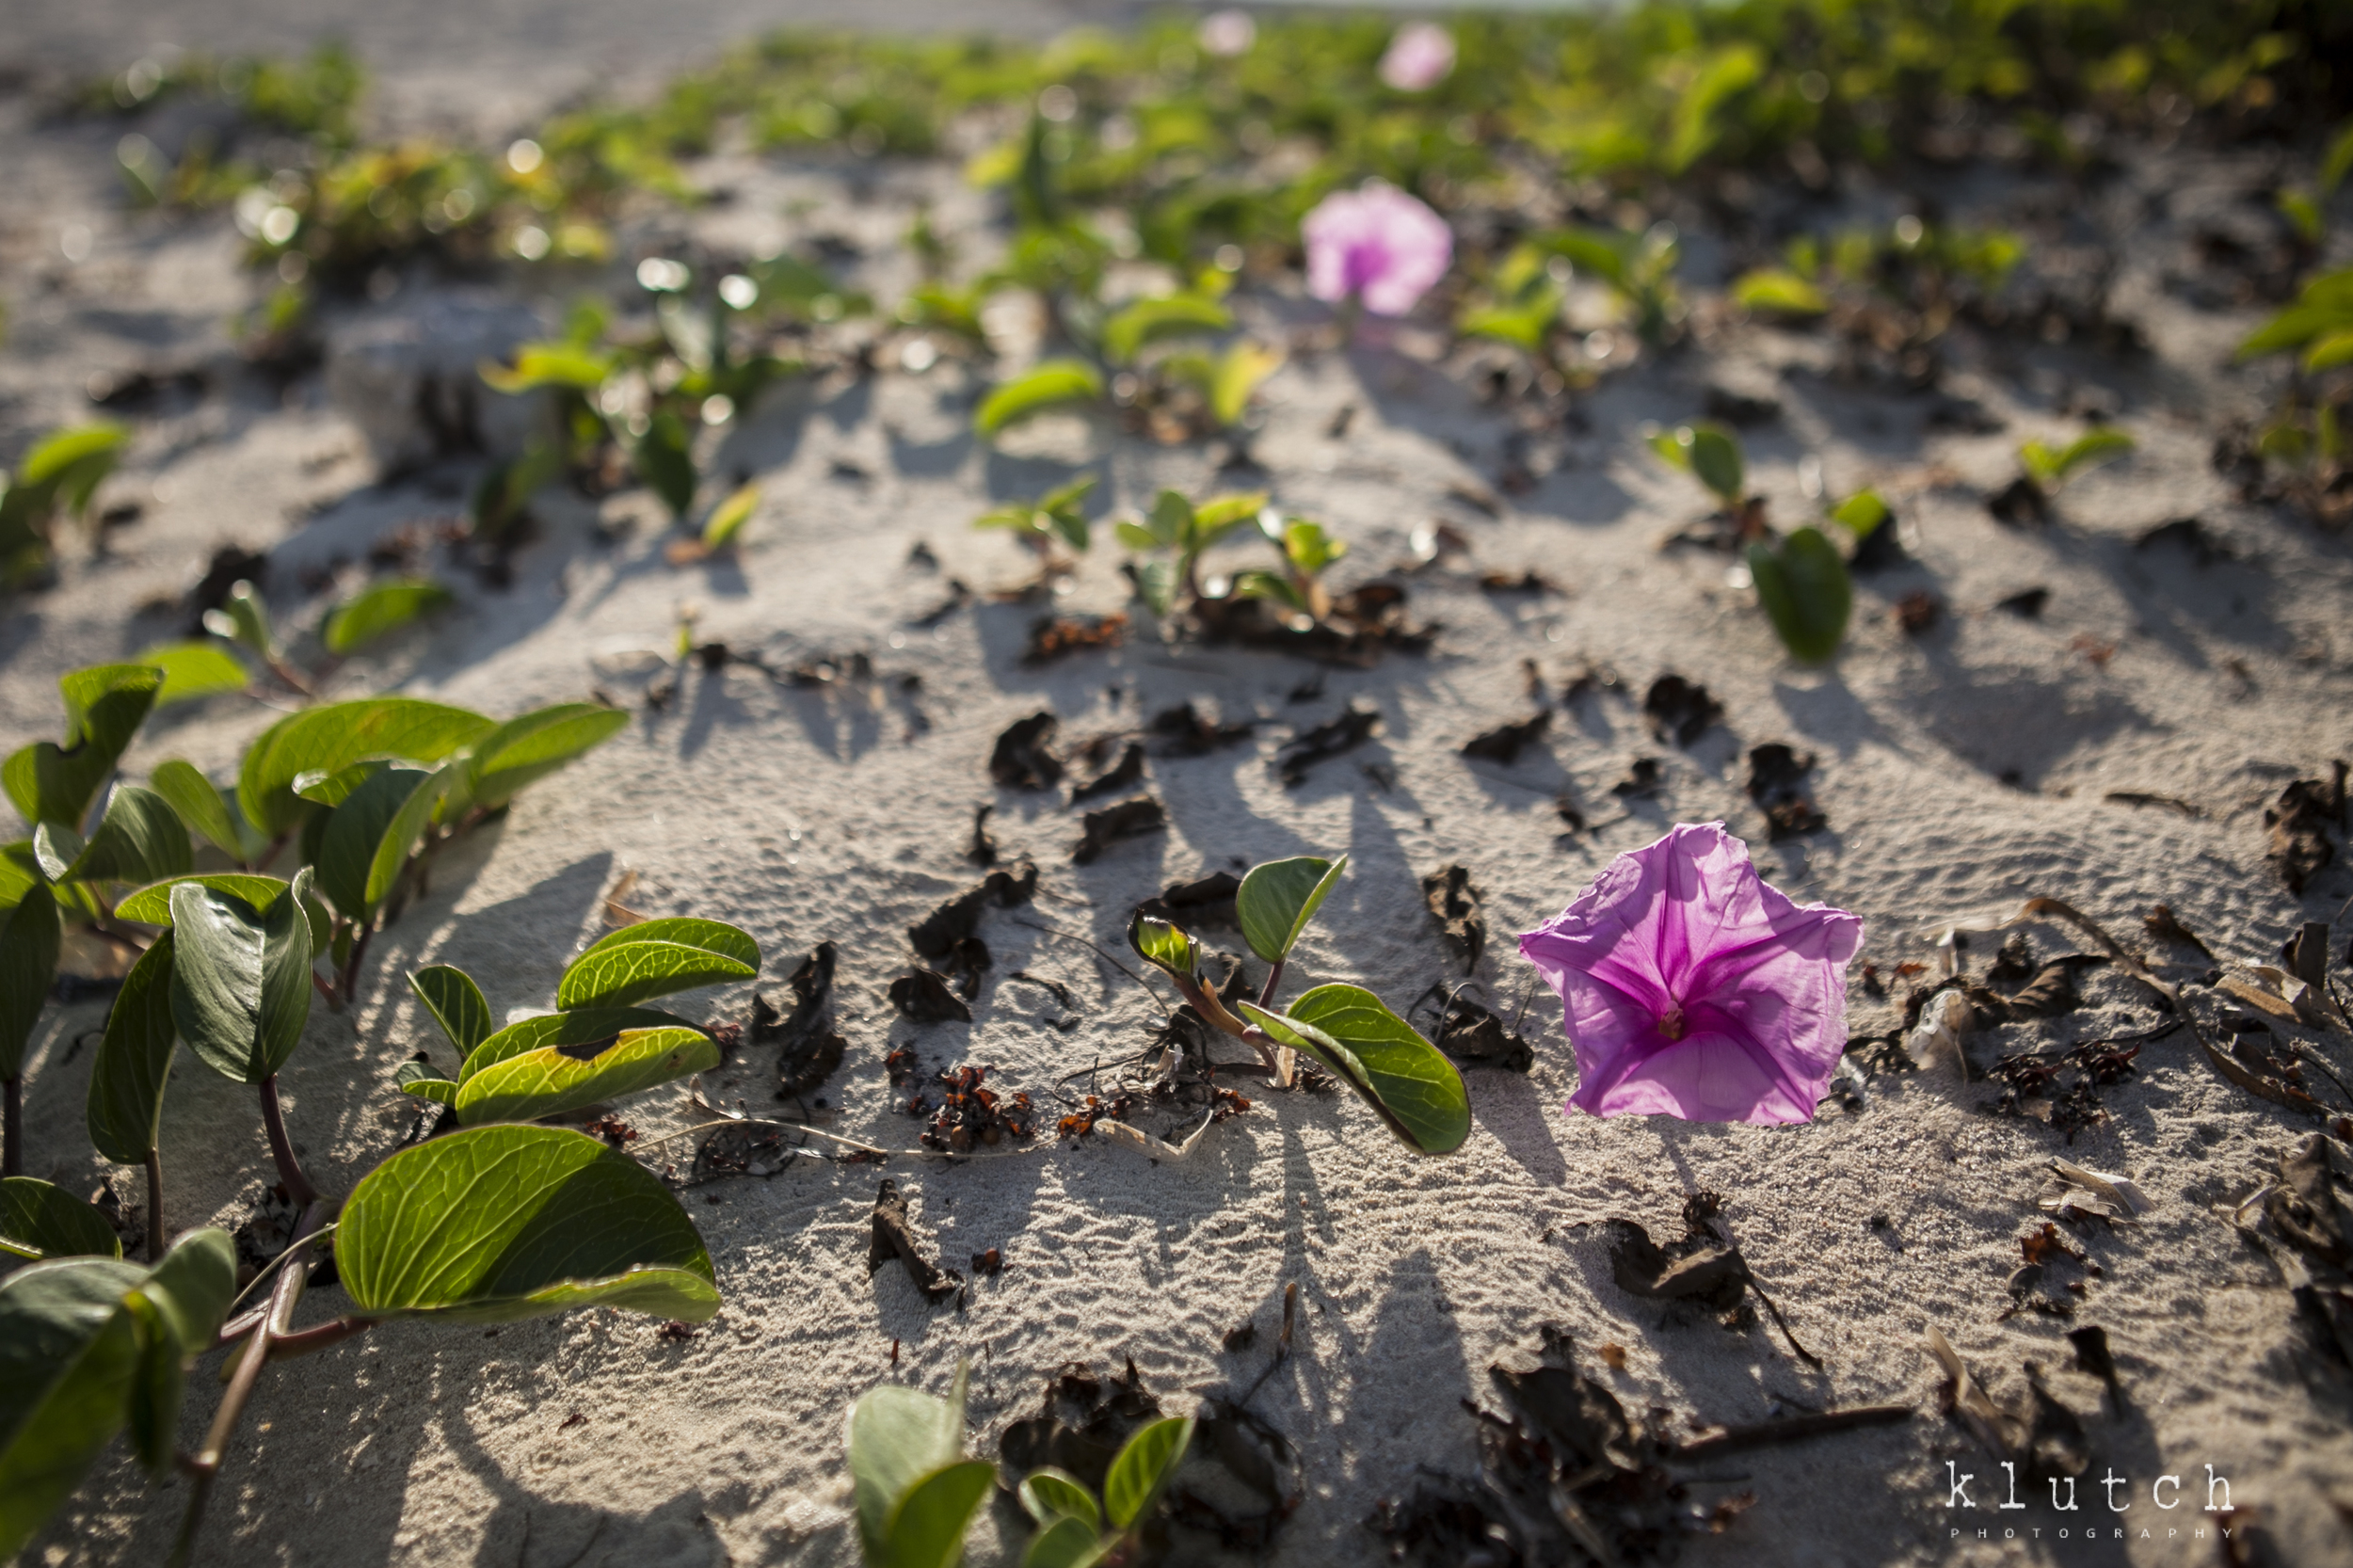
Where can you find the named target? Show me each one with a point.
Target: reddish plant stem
(318, 1337)
(1266, 992)
(298, 1186)
(12, 1126)
(155, 1205)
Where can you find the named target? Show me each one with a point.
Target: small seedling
(1170, 538)
(2047, 467)
(1046, 526)
(1306, 548)
(59, 475)
(1710, 453)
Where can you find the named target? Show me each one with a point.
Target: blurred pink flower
(1691, 988)
(1420, 56)
(1377, 243)
(1228, 33)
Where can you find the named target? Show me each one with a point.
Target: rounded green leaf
(1065, 1542)
(728, 519)
(1050, 385)
(1048, 1494)
(897, 1436)
(529, 746)
(153, 905)
(1278, 898)
(356, 830)
(1805, 592)
(663, 457)
(1404, 1077)
(330, 789)
(577, 1031)
(654, 958)
(1777, 290)
(69, 1357)
(1860, 513)
(139, 839)
(179, 1307)
(240, 979)
(557, 1079)
(37, 1219)
(456, 1004)
(378, 611)
(1715, 459)
(927, 1528)
(406, 830)
(1142, 1466)
(440, 1090)
(495, 1224)
(331, 738)
(104, 707)
(126, 1083)
(1131, 326)
(30, 938)
(194, 669)
(1170, 947)
(205, 809)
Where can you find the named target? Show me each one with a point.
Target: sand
(840, 815)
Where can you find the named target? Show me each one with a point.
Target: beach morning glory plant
(1378, 244)
(1691, 988)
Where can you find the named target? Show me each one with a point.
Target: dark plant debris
(1126, 773)
(1641, 779)
(1505, 742)
(1361, 626)
(952, 930)
(1204, 901)
(2299, 847)
(2307, 1230)
(1777, 784)
(970, 1114)
(1352, 728)
(1679, 710)
(1703, 1265)
(894, 1239)
(810, 1047)
(2027, 603)
(1083, 1425)
(1454, 902)
(1024, 757)
(1470, 1032)
(1127, 819)
(1185, 731)
(982, 849)
(925, 997)
(1053, 638)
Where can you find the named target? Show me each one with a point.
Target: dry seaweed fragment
(2161, 924)
(1641, 779)
(1128, 819)
(1053, 638)
(1352, 728)
(1505, 742)
(2307, 1227)
(1204, 901)
(1703, 1264)
(982, 849)
(1454, 904)
(1083, 1425)
(968, 1113)
(1127, 772)
(956, 922)
(2035, 1429)
(810, 1047)
(2298, 847)
(1187, 732)
(925, 997)
(1024, 757)
(1777, 784)
(2093, 1356)
(1680, 710)
(894, 1239)
(1470, 1032)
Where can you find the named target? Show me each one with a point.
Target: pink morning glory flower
(1691, 988)
(1228, 33)
(1420, 58)
(1378, 243)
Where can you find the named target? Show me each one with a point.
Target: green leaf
(548, 364)
(654, 958)
(69, 465)
(2100, 444)
(497, 1223)
(240, 979)
(577, 1030)
(104, 707)
(1413, 1088)
(139, 839)
(20, 873)
(69, 1357)
(897, 1436)
(456, 1004)
(1715, 459)
(440, 1090)
(331, 738)
(1274, 585)
(330, 789)
(1279, 897)
(1777, 290)
(179, 1307)
(126, 1084)
(1860, 513)
(378, 610)
(529, 746)
(1049, 385)
(406, 830)
(1066, 1541)
(1156, 582)
(549, 1081)
(37, 1219)
(927, 1527)
(206, 810)
(153, 905)
(1050, 1495)
(30, 937)
(2331, 350)
(728, 519)
(663, 457)
(1806, 592)
(1142, 1466)
(355, 830)
(1220, 515)
(1241, 371)
(1131, 326)
(2338, 161)
(194, 669)
(244, 619)
(1168, 946)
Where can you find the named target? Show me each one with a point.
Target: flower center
(1671, 1021)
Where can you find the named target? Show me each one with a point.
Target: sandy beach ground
(1962, 769)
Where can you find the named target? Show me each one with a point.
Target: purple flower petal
(1419, 57)
(1377, 243)
(1690, 987)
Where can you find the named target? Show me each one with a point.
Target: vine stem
(298, 1186)
(12, 1126)
(204, 1467)
(1266, 992)
(155, 1205)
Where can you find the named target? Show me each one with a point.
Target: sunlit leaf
(322, 788)
(2047, 465)
(153, 905)
(579, 1031)
(728, 519)
(532, 746)
(653, 958)
(205, 810)
(1049, 385)
(331, 738)
(406, 830)
(1066, 1541)
(1241, 371)
(1142, 1466)
(126, 1084)
(926, 1527)
(68, 466)
(1860, 513)
(558, 1079)
(1279, 897)
(1805, 590)
(179, 1308)
(30, 937)
(1170, 947)
(456, 1004)
(139, 839)
(193, 670)
(69, 1357)
(548, 364)
(241, 978)
(37, 1219)
(496, 1224)
(104, 707)
(1404, 1077)
(1132, 326)
(379, 610)
(423, 1086)
(898, 1435)
(355, 829)
(243, 619)
(1777, 290)
(1048, 1494)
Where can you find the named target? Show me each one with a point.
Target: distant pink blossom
(1690, 987)
(1228, 33)
(1376, 243)
(1420, 56)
